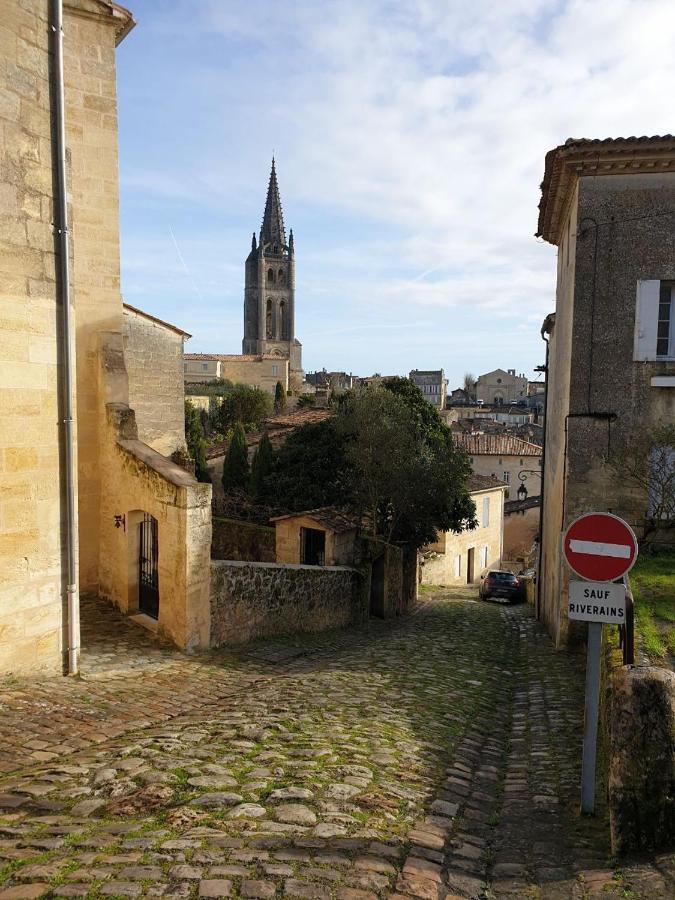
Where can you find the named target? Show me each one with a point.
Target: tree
(647, 462)
(196, 443)
(382, 454)
(407, 475)
(306, 400)
(279, 398)
(235, 465)
(261, 467)
(469, 385)
(245, 405)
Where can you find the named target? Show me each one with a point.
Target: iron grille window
(663, 335)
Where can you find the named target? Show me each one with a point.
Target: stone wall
(154, 360)
(520, 530)
(236, 540)
(253, 600)
(31, 588)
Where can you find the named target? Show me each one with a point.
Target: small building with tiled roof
(505, 457)
(316, 537)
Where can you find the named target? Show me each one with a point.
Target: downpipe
(68, 366)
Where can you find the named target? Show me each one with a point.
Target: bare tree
(469, 385)
(648, 463)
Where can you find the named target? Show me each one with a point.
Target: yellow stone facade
(457, 559)
(263, 371)
(117, 473)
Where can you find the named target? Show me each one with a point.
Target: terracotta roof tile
(495, 445)
(477, 483)
(334, 519)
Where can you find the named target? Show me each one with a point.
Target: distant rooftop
(495, 445)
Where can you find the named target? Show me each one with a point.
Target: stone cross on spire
(272, 231)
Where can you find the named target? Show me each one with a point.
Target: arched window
(282, 321)
(268, 326)
(270, 276)
(280, 276)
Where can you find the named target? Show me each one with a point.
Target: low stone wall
(234, 539)
(252, 600)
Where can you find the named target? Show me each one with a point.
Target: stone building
(608, 206)
(456, 559)
(153, 351)
(433, 384)
(501, 386)
(316, 537)
(70, 528)
(269, 294)
(263, 371)
(504, 457)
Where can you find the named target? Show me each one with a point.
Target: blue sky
(410, 138)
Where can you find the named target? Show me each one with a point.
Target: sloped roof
(495, 445)
(328, 516)
(234, 357)
(278, 429)
(157, 321)
(477, 483)
(605, 156)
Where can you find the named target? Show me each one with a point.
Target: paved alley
(430, 757)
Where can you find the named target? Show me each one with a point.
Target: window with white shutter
(655, 320)
(486, 512)
(458, 566)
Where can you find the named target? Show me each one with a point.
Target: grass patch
(653, 583)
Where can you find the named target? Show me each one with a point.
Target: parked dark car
(502, 586)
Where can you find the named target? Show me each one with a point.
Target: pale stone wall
(31, 575)
(520, 530)
(339, 547)
(256, 371)
(500, 384)
(439, 567)
(506, 468)
(154, 361)
(137, 479)
(252, 600)
(91, 135)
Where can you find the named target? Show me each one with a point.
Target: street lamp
(522, 477)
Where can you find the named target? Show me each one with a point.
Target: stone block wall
(234, 539)
(31, 587)
(154, 360)
(253, 600)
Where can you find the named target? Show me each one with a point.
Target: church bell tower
(269, 293)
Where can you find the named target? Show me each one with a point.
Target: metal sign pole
(591, 717)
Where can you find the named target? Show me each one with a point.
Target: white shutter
(646, 319)
(486, 512)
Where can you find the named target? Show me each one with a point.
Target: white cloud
(428, 119)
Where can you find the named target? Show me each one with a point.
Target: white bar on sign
(597, 601)
(595, 548)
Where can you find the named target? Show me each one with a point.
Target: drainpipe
(543, 472)
(67, 362)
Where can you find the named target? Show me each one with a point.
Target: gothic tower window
(280, 276)
(270, 276)
(269, 320)
(282, 321)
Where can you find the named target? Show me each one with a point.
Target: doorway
(148, 567)
(470, 564)
(377, 588)
(312, 547)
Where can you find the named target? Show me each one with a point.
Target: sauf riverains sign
(600, 548)
(597, 602)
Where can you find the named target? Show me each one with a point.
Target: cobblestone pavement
(432, 757)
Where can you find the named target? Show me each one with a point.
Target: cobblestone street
(434, 756)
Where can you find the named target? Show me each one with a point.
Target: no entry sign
(600, 547)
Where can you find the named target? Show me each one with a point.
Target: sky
(409, 137)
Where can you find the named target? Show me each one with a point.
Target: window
(205, 367)
(507, 477)
(458, 566)
(270, 276)
(482, 557)
(654, 320)
(486, 512)
(275, 370)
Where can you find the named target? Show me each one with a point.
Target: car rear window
(502, 576)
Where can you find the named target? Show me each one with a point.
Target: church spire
(272, 231)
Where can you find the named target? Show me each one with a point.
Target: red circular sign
(600, 547)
